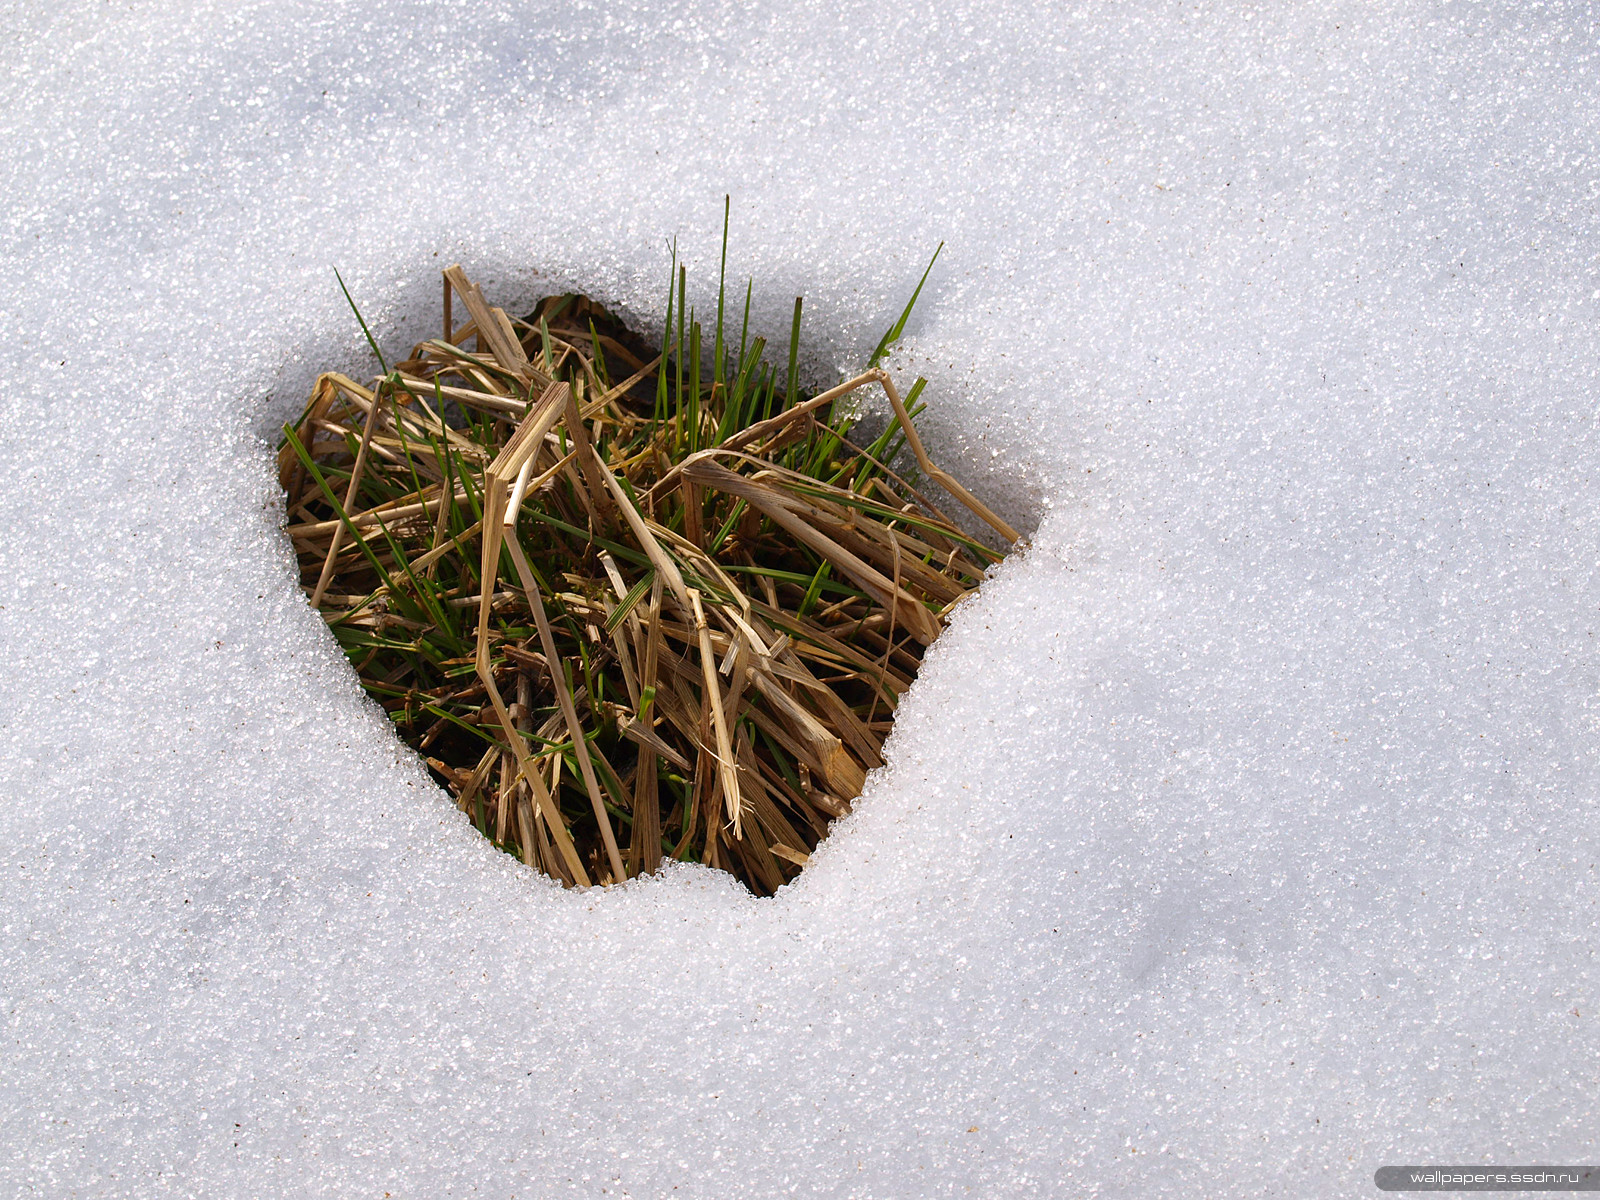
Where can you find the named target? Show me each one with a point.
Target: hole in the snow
(627, 606)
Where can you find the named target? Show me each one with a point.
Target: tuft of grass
(628, 602)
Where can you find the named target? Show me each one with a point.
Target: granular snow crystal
(1238, 837)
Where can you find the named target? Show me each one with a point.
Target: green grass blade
(895, 330)
(361, 320)
(717, 373)
(791, 396)
(635, 594)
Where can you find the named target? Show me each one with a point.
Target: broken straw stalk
(696, 604)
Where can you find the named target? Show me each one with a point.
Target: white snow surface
(1238, 839)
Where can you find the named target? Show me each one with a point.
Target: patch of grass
(629, 602)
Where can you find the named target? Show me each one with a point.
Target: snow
(1239, 839)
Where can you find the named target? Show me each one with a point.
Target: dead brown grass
(625, 607)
